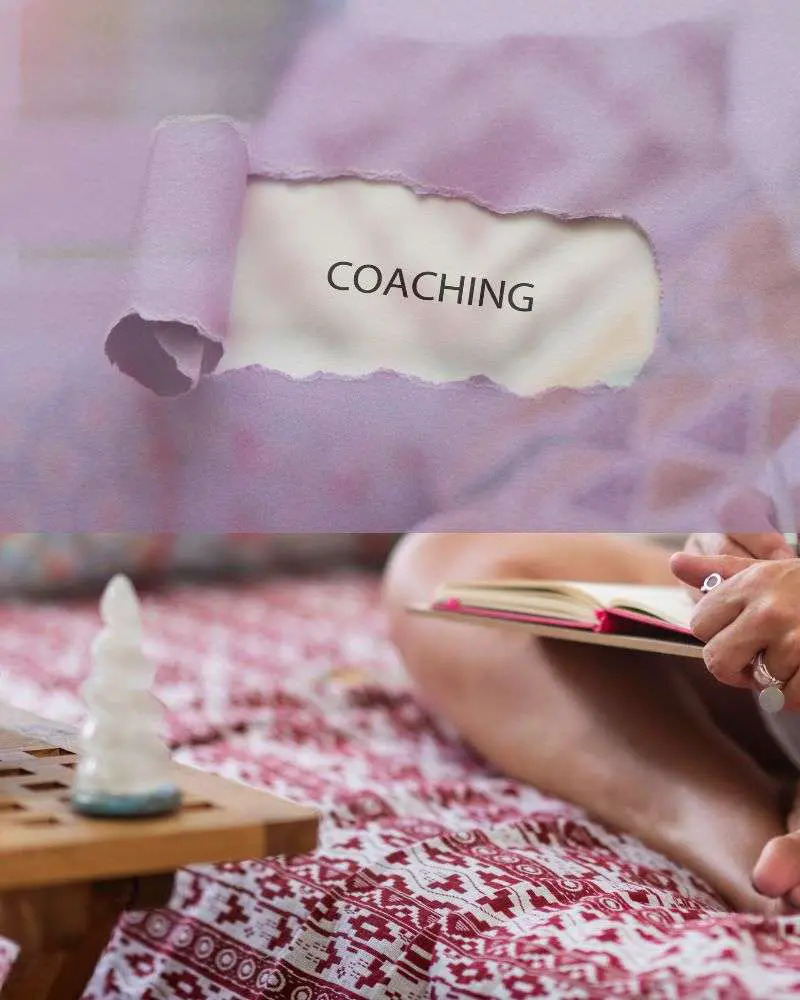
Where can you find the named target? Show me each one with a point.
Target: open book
(567, 609)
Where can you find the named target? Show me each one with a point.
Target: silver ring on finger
(710, 582)
(771, 698)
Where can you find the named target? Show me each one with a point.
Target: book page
(671, 604)
(574, 598)
(550, 599)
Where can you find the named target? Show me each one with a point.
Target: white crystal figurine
(123, 757)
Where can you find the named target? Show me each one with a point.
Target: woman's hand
(756, 608)
(765, 545)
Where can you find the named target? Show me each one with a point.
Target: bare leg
(626, 737)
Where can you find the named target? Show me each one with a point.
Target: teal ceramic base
(160, 801)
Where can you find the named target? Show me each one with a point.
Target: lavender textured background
(686, 129)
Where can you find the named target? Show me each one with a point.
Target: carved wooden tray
(43, 842)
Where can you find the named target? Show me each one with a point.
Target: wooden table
(65, 879)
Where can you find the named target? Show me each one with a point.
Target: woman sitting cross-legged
(655, 746)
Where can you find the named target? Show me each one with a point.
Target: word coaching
(430, 286)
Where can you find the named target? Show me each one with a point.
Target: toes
(777, 871)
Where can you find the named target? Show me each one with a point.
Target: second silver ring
(771, 697)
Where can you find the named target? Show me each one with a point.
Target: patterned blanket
(436, 877)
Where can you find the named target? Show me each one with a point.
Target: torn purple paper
(654, 128)
(184, 254)
(597, 139)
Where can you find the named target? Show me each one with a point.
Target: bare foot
(776, 874)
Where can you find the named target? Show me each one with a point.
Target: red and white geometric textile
(436, 877)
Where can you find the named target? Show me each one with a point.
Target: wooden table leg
(63, 930)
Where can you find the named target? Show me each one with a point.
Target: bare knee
(411, 576)
(423, 561)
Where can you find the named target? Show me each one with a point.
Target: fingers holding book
(749, 622)
(760, 545)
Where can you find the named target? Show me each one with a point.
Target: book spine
(606, 622)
